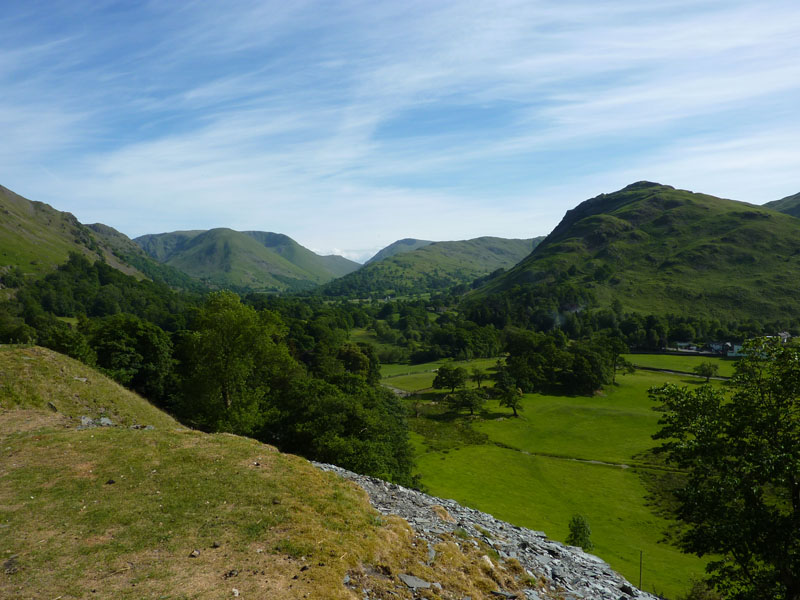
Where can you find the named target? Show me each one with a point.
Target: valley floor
(563, 456)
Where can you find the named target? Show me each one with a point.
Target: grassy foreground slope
(659, 250)
(432, 267)
(167, 512)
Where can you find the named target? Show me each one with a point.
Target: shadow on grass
(496, 414)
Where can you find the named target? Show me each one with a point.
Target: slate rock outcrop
(568, 571)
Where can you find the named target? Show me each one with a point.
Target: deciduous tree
(450, 377)
(706, 369)
(511, 397)
(470, 400)
(232, 362)
(478, 376)
(741, 453)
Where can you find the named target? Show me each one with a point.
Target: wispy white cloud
(287, 116)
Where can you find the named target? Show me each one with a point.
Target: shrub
(580, 533)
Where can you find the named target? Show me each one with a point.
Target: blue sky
(348, 125)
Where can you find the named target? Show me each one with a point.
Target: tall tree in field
(741, 453)
(706, 369)
(450, 377)
(478, 376)
(472, 400)
(511, 397)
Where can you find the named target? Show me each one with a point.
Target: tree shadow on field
(493, 415)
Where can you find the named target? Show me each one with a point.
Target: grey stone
(105, 422)
(431, 554)
(414, 582)
(557, 568)
(628, 589)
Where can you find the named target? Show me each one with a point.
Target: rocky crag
(559, 571)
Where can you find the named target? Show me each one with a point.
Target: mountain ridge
(433, 267)
(256, 260)
(655, 248)
(789, 205)
(398, 247)
(35, 237)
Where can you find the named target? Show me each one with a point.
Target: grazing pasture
(564, 455)
(683, 364)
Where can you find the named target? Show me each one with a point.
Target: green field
(684, 364)
(367, 336)
(543, 493)
(413, 378)
(613, 427)
(532, 471)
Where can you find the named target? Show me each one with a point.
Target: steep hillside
(656, 249)
(130, 253)
(789, 205)
(36, 238)
(143, 508)
(399, 247)
(434, 267)
(254, 260)
(324, 268)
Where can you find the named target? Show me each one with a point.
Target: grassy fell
(432, 267)
(115, 512)
(659, 250)
(253, 260)
(36, 238)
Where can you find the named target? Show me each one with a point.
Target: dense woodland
(283, 372)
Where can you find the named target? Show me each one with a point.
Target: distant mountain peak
(643, 185)
(654, 247)
(251, 260)
(399, 247)
(432, 267)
